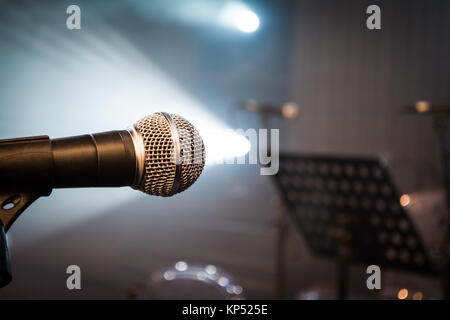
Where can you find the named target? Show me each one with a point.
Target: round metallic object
(172, 157)
(185, 281)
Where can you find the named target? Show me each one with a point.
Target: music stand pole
(342, 281)
(280, 256)
(280, 246)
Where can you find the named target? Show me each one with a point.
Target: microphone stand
(5, 266)
(13, 199)
(11, 206)
(282, 220)
(281, 226)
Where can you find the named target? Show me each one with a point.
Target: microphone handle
(39, 164)
(104, 159)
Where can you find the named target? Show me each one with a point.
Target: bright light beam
(247, 21)
(238, 15)
(93, 83)
(223, 146)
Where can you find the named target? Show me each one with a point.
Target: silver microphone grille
(174, 154)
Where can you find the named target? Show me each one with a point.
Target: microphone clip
(11, 206)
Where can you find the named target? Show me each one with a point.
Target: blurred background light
(402, 294)
(290, 110)
(235, 15)
(181, 266)
(405, 200)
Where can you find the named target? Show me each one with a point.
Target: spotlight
(238, 15)
(247, 21)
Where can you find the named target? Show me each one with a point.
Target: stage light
(238, 15)
(128, 86)
(247, 21)
(224, 145)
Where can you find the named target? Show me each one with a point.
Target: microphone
(425, 107)
(161, 154)
(288, 110)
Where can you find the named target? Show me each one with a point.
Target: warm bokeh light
(417, 295)
(422, 106)
(405, 200)
(290, 110)
(402, 294)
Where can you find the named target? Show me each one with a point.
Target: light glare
(181, 266)
(238, 15)
(224, 145)
(247, 21)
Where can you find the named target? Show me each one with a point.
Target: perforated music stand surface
(349, 207)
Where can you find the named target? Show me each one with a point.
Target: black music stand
(348, 209)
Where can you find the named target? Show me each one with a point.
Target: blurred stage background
(133, 58)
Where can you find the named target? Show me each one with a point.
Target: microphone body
(40, 164)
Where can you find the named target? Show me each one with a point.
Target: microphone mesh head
(174, 154)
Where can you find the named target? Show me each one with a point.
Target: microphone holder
(11, 206)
